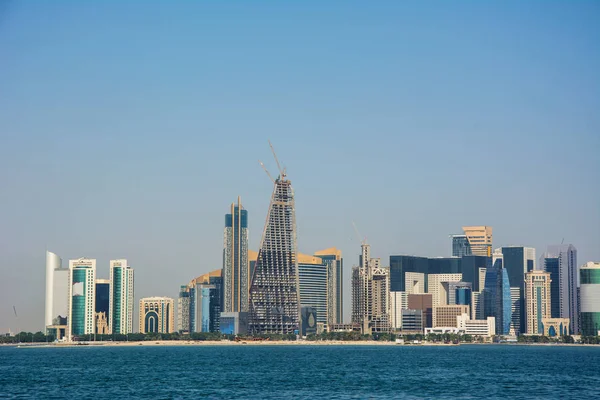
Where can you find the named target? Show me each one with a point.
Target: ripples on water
(305, 372)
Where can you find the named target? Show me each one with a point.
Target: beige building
(476, 327)
(537, 300)
(157, 315)
(445, 316)
(101, 323)
(480, 239)
(437, 286)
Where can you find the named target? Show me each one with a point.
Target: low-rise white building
(476, 327)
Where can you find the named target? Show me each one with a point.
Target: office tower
(81, 297)
(401, 265)
(235, 323)
(274, 295)
(236, 276)
(337, 291)
(102, 306)
(477, 308)
(537, 299)
(57, 293)
(206, 297)
(313, 285)
(518, 261)
(460, 246)
(422, 302)
(308, 320)
(460, 293)
(480, 240)
(477, 327)
(183, 310)
(156, 315)
(437, 289)
(414, 283)
(497, 301)
(398, 302)
(589, 275)
(120, 319)
(412, 321)
(370, 293)
(445, 316)
(561, 262)
(472, 267)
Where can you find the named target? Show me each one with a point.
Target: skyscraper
(274, 294)
(497, 300)
(81, 297)
(120, 319)
(236, 275)
(518, 260)
(460, 246)
(102, 306)
(561, 262)
(537, 298)
(156, 315)
(183, 310)
(337, 290)
(370, 293)
(480, 240)
(437, 286)
(313, 285)
(205, 299)
(590, 298)
(57, 290)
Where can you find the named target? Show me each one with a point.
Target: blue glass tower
(497, 301)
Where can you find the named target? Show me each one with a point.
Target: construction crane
(362, 241)
(267, 171)
(281, 171)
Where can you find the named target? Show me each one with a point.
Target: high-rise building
(206, 297)
(57, 291)
(81, 297)
(402, 264)
(537, 298)
(422, 302)
(102, 306)
(120, 318)
(336, 290)
(561, 262)
(589, 275)
(313, 285)
(183, 310)
(437, 286)
(460, 246)
(274, 294)
(460, 293)
(398, 302)
(480, 240)
(497, 301)
(518, 260)
(414, 283)
(157, 315)
(370, 293)
(236, 274)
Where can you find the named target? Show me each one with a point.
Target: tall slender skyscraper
(518, 260)
(81, 297)
(336, 287)
(121, 297)
(236, 277)
(561, 262)
(274, 293)
(57, 279)
(537, 297)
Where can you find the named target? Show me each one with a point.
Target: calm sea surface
(301, 372)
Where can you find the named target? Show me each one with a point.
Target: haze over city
(127, 131)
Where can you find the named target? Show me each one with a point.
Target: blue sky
(126, 130)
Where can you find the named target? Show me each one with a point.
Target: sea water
(301, 372)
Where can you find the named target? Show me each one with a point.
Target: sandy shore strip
(215, 343)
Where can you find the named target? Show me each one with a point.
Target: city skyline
(130, 140)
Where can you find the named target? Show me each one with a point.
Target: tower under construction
(370, 293)
(274, 295)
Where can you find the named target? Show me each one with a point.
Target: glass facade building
(236, 274)
(120, 318)
(312, 276)
(517, 261)
(551, 265)
(81, 297)
(460, 246)
(497, 299)
(334, 256)
(589, 279)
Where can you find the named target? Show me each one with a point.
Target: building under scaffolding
(370, 293)
(274, 294)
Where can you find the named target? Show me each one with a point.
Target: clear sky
(127, 130)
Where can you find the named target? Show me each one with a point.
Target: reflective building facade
(236, 276)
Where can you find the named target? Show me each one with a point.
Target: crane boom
(281, 172)
(267, 171)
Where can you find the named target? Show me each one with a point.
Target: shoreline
(163, 343)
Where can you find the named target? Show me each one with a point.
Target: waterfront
(274, 372)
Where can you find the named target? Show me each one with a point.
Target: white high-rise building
(121, 297)
(398, 302)
(57, 289)
(81, 297)
(437, 289)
